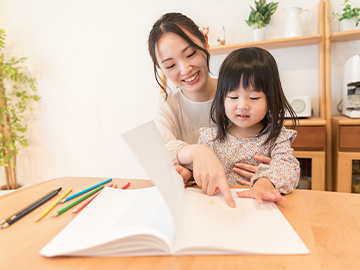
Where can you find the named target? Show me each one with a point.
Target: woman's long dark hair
(174, 23)
(252, 67)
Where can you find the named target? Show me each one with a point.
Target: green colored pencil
(78, 201)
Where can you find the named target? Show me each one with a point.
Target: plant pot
(259, 34)
(4, 187)
(4, 190)
(348, 24)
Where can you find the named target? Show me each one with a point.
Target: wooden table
(327, 222)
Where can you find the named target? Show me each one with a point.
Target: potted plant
(260, 17)
(350, 18)
(17, 92)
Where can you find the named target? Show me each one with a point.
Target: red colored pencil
(126, 186)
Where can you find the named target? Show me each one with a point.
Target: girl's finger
(244, 194)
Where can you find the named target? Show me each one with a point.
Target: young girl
(180, 51)
(249, 109)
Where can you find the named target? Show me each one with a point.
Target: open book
(168, 220)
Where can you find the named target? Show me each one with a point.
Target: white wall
(96, 80)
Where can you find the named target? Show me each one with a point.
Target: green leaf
(17, 94)
(260, 15)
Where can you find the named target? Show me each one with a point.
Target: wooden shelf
(345, 36)
(345, 121)
(345, 149)
(270, 44)
(312, 121)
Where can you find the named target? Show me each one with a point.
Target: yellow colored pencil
(47, 210)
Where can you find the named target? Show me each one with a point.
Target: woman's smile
(192, 79)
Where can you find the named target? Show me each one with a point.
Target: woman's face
(184, 65)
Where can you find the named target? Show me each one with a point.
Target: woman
(180, 50)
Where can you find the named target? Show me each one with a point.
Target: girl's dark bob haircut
(254, 67)
(175, 23)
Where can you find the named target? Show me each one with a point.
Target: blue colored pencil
(84, 191)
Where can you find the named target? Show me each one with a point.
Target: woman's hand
(247, 170)
(184, 173)
(263, 189)
(208, 171)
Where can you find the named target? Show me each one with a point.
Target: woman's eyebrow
(167, 59)
(170, 58)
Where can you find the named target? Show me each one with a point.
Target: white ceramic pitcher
(293, 25)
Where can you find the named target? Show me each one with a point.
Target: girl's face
(245, 108)
(184, 65)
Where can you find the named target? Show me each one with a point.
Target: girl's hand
(263, 189)
(247, 170)
(184, 173)
(208, 171)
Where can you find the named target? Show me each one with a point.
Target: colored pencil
(32, 208)
(84, 191)
(51, 206)
(81, 206)
(126, 186)
(78, 201)
(22, 210)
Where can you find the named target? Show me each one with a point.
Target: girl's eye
(254, 98)
(191, 54)
(232, 97)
